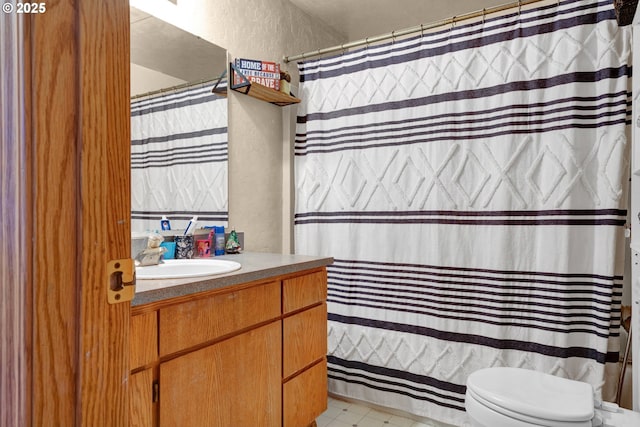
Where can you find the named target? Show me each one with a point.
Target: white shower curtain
(179, 159)
(471, 186)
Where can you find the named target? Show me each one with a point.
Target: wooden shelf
(220, 88)
(258, 91)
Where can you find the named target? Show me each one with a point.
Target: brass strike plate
(121, 280)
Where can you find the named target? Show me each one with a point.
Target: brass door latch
(121, 280)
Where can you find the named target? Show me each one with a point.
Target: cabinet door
(305, 339)
(141, 399)
(305, 396)
(232, 383)
(143, 340)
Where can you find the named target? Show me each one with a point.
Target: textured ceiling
(159, 46)
(177, 53)
(358, 19)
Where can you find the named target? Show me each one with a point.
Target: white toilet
(514, 397)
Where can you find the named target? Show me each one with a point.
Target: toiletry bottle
(164, 223)
(219, 236)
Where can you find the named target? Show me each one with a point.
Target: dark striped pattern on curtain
(179, 158)
(471, 185)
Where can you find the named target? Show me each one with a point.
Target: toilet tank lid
(533, 393)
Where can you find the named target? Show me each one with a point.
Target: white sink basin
(185, 268)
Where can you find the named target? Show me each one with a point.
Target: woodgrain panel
(15, 226)
(233, 383)
(302, 291)
(196, 322)
(304, 339)
(53, 122)
(141, 402)
(103, 183)
(75, 191)
(144, 339)
(305, 396)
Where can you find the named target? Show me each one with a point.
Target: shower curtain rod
(417, 29)
(177, 87)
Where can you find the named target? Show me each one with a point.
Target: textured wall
(145, 80)
(259, 178)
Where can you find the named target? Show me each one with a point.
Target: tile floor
(341, 413)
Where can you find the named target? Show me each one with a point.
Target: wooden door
(65, 168)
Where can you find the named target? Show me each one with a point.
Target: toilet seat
(532, 397)
(511, 418)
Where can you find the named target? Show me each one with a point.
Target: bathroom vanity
(244, 349)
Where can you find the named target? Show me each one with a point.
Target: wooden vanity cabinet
(250, 355)
(235, 382)
(143, 350)
(142, 356)
(141, 405)
(304, 369)
(202, 320)
(232, 378)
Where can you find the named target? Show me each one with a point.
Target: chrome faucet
(152, 254)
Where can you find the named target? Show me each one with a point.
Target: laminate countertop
(255, 266)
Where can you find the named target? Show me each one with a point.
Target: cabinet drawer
(196, 322)
(303, 291)
(304, 339)
(305, 396)
(143, 339)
